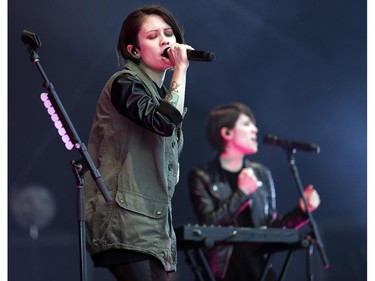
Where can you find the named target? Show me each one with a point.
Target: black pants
(145, 270)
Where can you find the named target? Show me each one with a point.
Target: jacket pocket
(142, 205)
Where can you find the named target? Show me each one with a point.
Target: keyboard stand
(198, 263)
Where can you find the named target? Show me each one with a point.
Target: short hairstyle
(221, 117)
(132, 25)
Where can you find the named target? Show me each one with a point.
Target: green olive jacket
(136, 150)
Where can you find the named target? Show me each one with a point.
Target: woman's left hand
(312, 199)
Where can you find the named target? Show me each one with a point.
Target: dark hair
(133, 22)
(221, 117)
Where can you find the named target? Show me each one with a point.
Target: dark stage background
(300, 65)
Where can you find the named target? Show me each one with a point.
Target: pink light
(58, 125)
(47, 104)
(44, 96)
(62, 131)
(65, 138)
(51, 110)
(54, 117)
(69, 146)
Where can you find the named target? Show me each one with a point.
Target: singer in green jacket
(135, 142)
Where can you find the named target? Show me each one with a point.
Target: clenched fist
(312, 199)
(247, 181)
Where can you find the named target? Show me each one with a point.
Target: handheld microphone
(290, 145)
(194, 55)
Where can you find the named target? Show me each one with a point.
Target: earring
(135, 53)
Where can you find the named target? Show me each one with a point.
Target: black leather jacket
(215, 203)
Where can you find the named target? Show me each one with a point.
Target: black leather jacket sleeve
(130, 98)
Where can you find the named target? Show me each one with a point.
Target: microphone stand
(315, 232)
(81, 216)
(32, 42)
